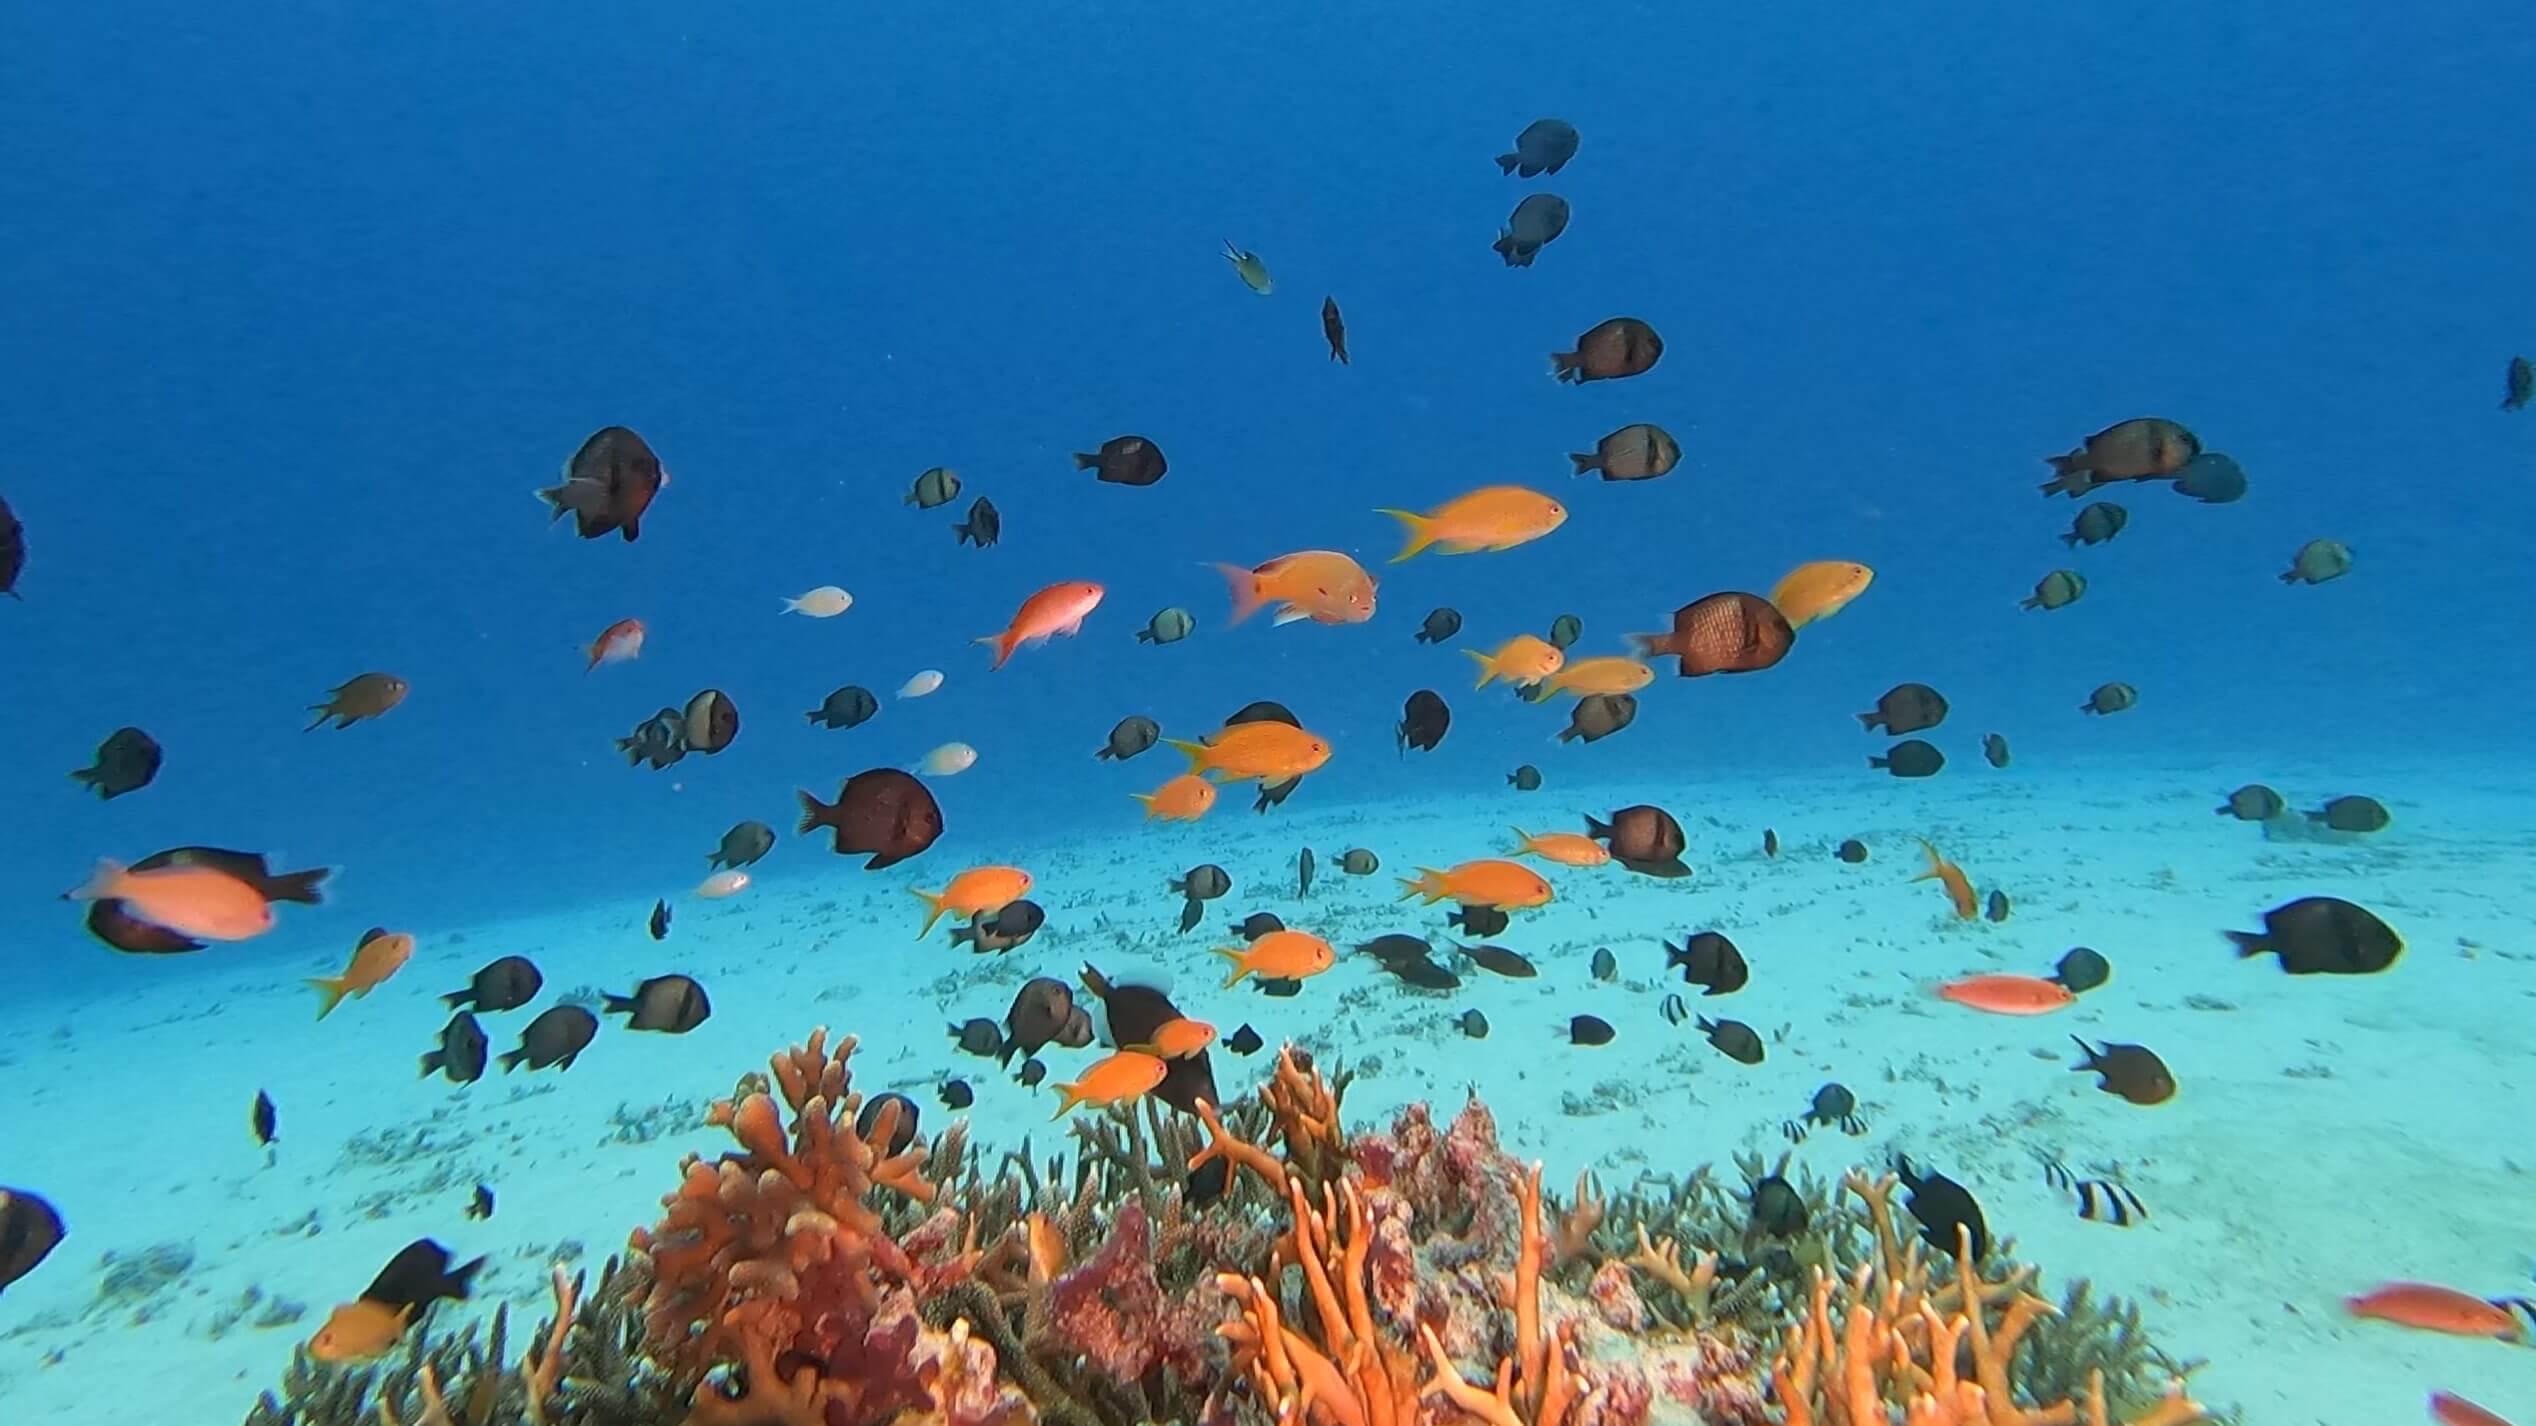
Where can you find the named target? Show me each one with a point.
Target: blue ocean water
(306, 299)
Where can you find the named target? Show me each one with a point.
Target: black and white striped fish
(2099, 1200)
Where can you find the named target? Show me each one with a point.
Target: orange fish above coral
(1185, 798)
(2008, 994)
(1488, 881)
(418, 1276)
(1958, 886)
(979, 891)
(380, 954)
(1056, 610)
(2431, 1308)
(1122, 1078)
(1177, 1039)
(1493, 517)
(1279, 955)
(1323, 586)
(1243, 751)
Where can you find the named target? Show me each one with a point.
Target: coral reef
(1259, 1262)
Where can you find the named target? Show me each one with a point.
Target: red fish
(1057, 609)
(2450, 1409)
(2432, 1308)
(616, 643)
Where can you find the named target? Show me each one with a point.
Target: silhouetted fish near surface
(1125, 460)
(660, 921)
(1943, 1206)
(126, 761)
(1638, 452)
(1440, 625)
(505, 984)
(261, 1119)
(1423, 721)
(1994, 750)
(1334, 328)
(881, 811)
(1910, 758)
(1534, 224)
(1906, 708)
(1133, 734)
(983, 527)
(12, 565)
(1611, 349)
(1544, 146)
(848, 707)
(2322, 935)
(2518, 386)
(461, 1053)
(1599, 715)
(608, 485)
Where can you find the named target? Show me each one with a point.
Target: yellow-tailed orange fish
(1125, 1076)
(418, 1276)
(1565, 848)
(616, 643)
(1608, 674)
(1269, 750)
(1818, 589)
(1177, 1039)
(2008, 994)
(1057, 609)
(1947, 874)
(1279, 955)
(1487, 882)
(1185, 798)
(1323, 586)
(192, 900)
(973, 893)
(1493, 517)
(380, 955)
(1523, 660)
(2431, 1308)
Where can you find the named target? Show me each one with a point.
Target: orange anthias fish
(2450, 1409)
(1947, 874)
(1185, 798)
(1279, 955)
(1608, 674)
(1323, 586)
(1057, 609)
(2008, 994)
(1268, 750)
(1523, 660)
(1818, 589)
(2432, 1308)
(1493, 517)
(979, 891)
(381, 954)
(1177, 1039)
(1565, 848)
(1487, 882)
(1123, 1077)
(203, 902)
(616, 643)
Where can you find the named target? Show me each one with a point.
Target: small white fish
(825, 602)
(922, 684)
(722, 884)
(949, 760)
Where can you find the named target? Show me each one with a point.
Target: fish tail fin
(2248, 943)
(1585, 461)
(100, 883)
(2070, 539)
(1146, 800)
(1523, 839)
(1002, 644)
(433, 1061)
(553, 498)
(1428, 883)
(1085, 462)
(1646, 645)
(1241, 967)
(616, 1004)
(1880, 762)
(330, 993)
(511, 1059)
(1068, 1095)
(1248, 597)
(1506, 162)
(1196, 752)
(461, 1280)
(1420, 531)
(935, 907)
(813, 811)
(1487, 668)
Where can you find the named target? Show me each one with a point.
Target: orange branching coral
(1897, 1351)
(1305, 1106)
(1345, 1372)
(728, 1256)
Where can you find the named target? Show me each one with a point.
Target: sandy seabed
(2330, 1132)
